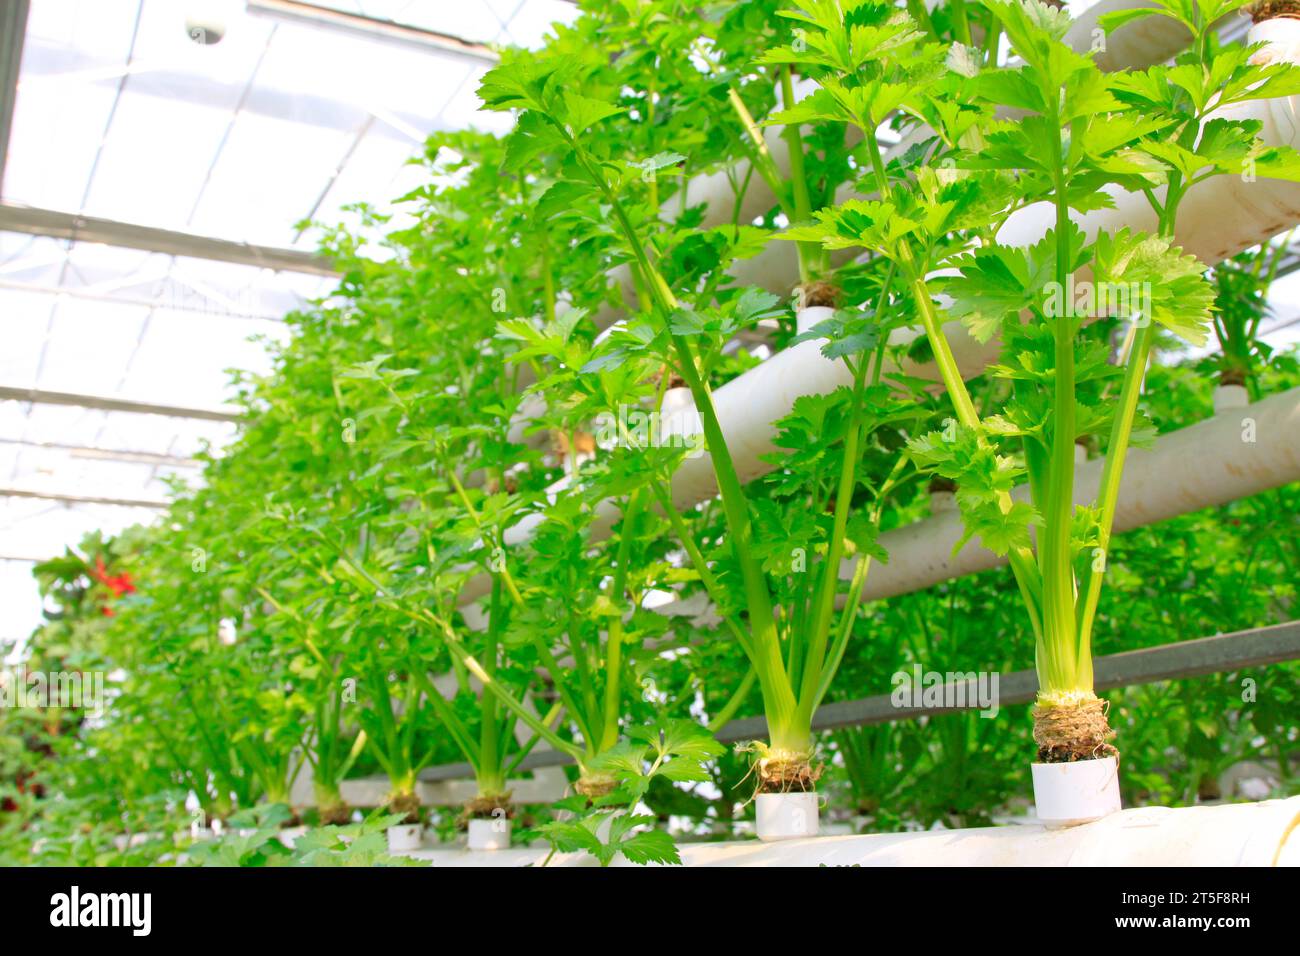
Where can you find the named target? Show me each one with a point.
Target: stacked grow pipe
(1231, 456)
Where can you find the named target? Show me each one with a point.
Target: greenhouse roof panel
(523, 22)
(120, 115)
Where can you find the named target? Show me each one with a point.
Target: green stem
(520, 711)
(489, 748)
(814, 659)
(781, 704)
(811, 254)
(614, 645)
(960, 22)
(1108, 496)
(711, 585)
(762, 156)
(1021, 559)
(733, 704)
(1056, 658)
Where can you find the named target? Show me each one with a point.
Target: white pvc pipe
(1225, 458)
(1234, 455)
(1135, 45)
(1139, 44)
(1218, 217)
(1237, 834)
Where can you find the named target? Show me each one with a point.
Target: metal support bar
(1256, 647)
(155, 503)
(64, 225)
(13, 30)
(372, 28)
(1206, 655)
(103, 403)
(160, 301)
(108, 454)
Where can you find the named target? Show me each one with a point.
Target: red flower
(119, 584)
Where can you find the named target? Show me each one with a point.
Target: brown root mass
(334, 815)
(1232, 376)
(674, 380)
(788, 775)
(1078, 731)
(1275, 10)
(818, 293)
(583, 443)
(407, 804)
(485, 807)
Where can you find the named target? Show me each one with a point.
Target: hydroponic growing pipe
(1231, 456)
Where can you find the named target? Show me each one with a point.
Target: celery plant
(794, 655)
(1078, 131)
(1241, 302)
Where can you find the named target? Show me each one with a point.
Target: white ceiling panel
(267, 178)
(155, 160)
(88, 345)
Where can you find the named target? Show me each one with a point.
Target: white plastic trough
(1239, 834)
(1235, 454)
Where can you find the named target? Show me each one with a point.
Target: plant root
(334, 815)
(939, 483)
(674, 379)
(485, 807)
(782, 771)
(813, 294)
(565, 448)
(1274, 10)
(797, 775)
(1073, 728)
(1232, 376)
(407, 804)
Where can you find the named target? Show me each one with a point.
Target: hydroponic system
(819, 432)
